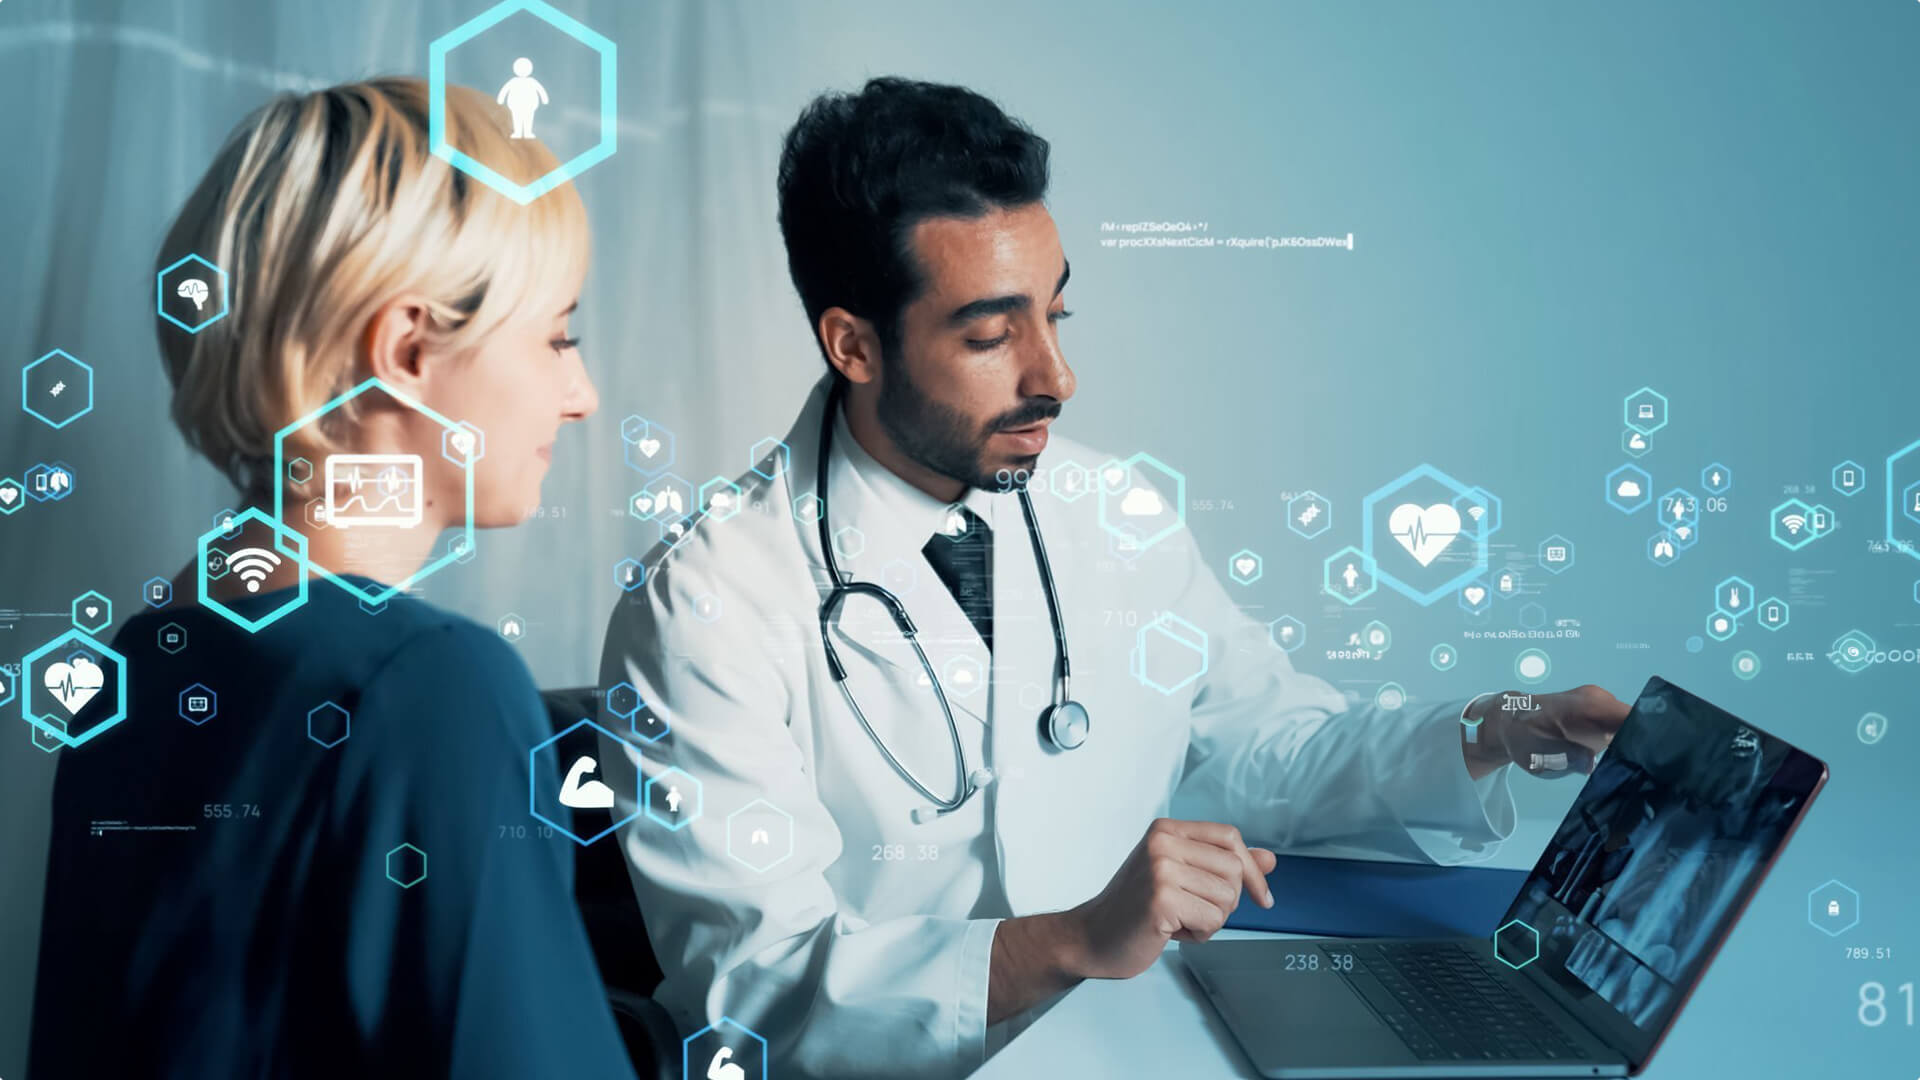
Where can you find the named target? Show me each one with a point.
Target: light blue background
(1553, 204)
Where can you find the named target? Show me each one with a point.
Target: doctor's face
(980, 374)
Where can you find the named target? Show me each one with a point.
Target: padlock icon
(1506, 582)
(1833, 907)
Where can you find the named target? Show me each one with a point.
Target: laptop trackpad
(1302, 1020)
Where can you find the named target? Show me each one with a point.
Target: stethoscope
(1064, 723)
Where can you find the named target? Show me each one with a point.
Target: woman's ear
(394, 342)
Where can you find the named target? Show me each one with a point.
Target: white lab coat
(866, 952)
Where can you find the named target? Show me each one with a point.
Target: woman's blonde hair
(322, 207)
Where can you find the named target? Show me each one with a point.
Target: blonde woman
(272, 937)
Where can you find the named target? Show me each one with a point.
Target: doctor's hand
(1180, 882)
(1545, 734)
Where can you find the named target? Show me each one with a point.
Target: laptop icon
(1614, 927)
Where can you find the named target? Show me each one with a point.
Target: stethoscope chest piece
(1066, 725)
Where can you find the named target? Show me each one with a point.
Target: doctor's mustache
(1030, 412)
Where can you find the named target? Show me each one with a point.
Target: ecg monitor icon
(373, 489)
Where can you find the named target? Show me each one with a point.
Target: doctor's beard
(943, 439)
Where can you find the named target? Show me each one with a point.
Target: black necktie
(962, 554)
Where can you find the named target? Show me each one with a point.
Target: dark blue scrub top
(275, 945)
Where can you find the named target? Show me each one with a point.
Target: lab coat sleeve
(1281, 755)
(834, 996)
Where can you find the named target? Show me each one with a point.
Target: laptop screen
(1660, 852)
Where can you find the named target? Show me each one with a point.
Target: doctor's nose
(1047, 373)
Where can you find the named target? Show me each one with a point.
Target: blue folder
(1359, 898)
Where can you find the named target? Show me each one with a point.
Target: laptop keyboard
(1445, 1006)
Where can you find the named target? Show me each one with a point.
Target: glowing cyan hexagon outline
(1786, 613)
(1066, 468)
(780, 453)
(119, 679)
(1530, 930)
(1733, 624)
(1626, 406)
(1493, 510)
(699, 799)
(335, 707)
(1724, 486)
(1144, 459)
(1300, 633)
(1233, 568)
(686, 1044)
(146, 592)
(1646, 488)
(1366, 561)
(213, 700)
(1626, 443)
(25, 386)
(1164, 626)
(1324, 520)
(437, 98)
(1806, 535)
(1859, 470)
(423, 866)
(1387, 490)
(1734, 579)
(638, 579)
(381, 595)
(19, 495)
(533, 783)
(1811, 902)
(292, 603)
(1540, 554)
(632, 441)
(703, 499)
(105, 621)
(736, 858)
(160, 294)
(1893, 459)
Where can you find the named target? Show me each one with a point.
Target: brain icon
(195, 290)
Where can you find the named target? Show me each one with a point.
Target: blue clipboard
(1361, 898)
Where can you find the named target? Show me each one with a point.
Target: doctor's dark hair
(859, 171)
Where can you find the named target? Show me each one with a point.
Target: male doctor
(930, 901)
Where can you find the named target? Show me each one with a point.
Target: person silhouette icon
(522, 95)
(1352, 577)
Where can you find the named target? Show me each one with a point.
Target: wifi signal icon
(1476, 511)
(253, 565)
(1794, 523)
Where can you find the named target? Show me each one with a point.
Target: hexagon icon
(329, 725)
(674, 798)
(1678, 508)
(963, 675)
(900, 577)
(760, 835)
(157, 592)
(629, 574)
(1663, 548)
(339, 517)
(1349, 576)
(1244, 567)
(299, 471)
(13, 496)
(56, 389)
(191, 294)
(1423, 533)
(1629, 489)
(1909, 499)
(725, 1050)
(1734, 596)
(213, 569)
(1774, 613)
(7, 684)
(1309, 515)
(1833, 908)
(1555, 554)
(406, 866)
(1790, 525)
(665, 497)
(770, 458)
(623, 699)
(1508, 583)
(72, 679)
(569, 785)
(172, 639)
(1635, 443)
(849, 542)
(1070, 480)
(1646, 410)
(566, 170)
(1476, 597)
(720, 499)
(1133, 507)
(1822, 521)
(807, 508)
(1169, 653)
(1721, 626)
(1849, 478)
(1516, 944)
(198, 704)
(92, 612)
(649, 447)
(1716, 479)
(463, 445)
(1287, 632)
(1533, 616)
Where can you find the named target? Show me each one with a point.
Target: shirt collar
(895, 517)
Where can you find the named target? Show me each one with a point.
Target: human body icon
(522, 95)
(1351, 576)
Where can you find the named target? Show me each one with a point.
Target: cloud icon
(1628, 489)
(1142, 502)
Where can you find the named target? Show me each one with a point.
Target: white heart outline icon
(73, 684)
(1244, 565)
(649, 446)
(8, 494)
(1474, 594)
(1424, 532)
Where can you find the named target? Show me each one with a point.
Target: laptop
(1671, 836)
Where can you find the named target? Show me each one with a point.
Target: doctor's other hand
(1180, 882)
(1545, 734)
